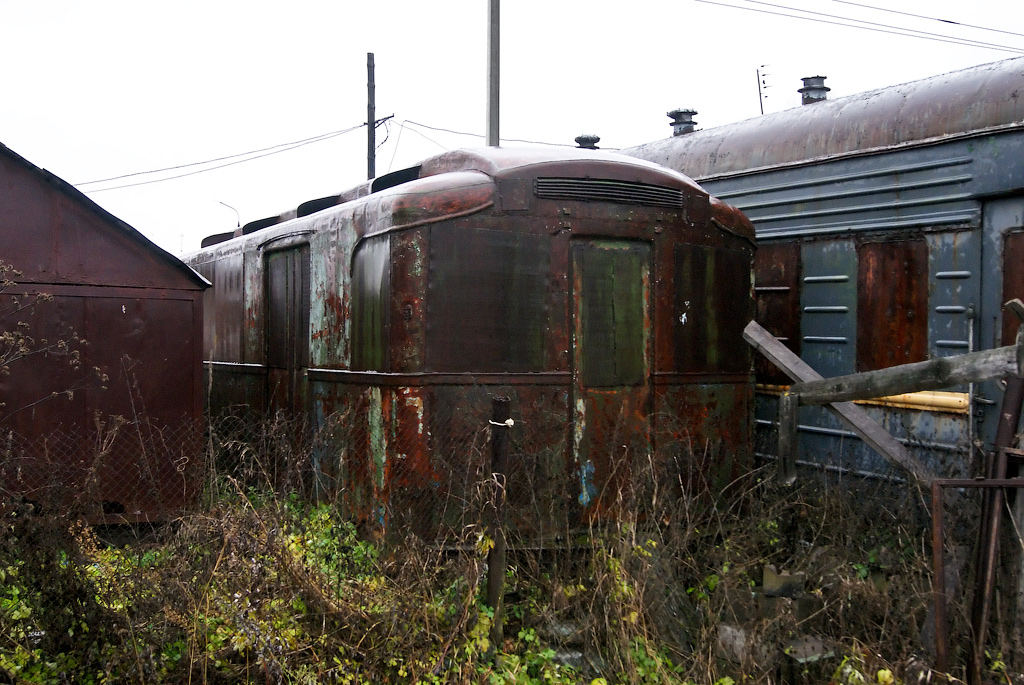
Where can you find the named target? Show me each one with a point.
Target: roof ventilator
(814, 90)
(682, 121)
(607, 190)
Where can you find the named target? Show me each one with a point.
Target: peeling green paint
(378, 438)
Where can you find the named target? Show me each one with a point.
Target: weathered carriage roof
(53, 233)
(974, 101)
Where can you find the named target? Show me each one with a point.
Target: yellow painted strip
(927, 400)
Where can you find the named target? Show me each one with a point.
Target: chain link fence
(396, 461)
(112, 471)
(401, 461)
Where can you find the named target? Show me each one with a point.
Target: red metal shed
(100, 340)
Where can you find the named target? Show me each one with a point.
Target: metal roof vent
(682, 121)
(588, 141)
(814, 90)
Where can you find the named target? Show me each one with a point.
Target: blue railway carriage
(890, 230)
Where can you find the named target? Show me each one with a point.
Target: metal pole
(493, 70)
(939, 581)
(371, 120)
(500, 426)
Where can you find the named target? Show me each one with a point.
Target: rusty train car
(890, 227)
(603, 295)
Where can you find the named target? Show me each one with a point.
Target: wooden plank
(896, 380)
(851, 415)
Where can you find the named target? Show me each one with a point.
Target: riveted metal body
(604, 296)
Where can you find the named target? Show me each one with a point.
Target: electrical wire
(896, 30)
(297, 143)
(922, 16)
(221, 166)
(977, 43)
(477, 135)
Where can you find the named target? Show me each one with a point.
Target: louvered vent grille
(592, 189)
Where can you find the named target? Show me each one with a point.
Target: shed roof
(972, 101)
(40, 205)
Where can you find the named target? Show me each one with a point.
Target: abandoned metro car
(890, 227)
(604, 295)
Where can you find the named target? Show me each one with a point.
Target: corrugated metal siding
(915, 188)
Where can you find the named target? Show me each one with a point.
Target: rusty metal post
(939, 581)
(974, 667)
(991, 516)
(788, 406)
(500, 424)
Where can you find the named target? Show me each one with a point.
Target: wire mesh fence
(404, 461)
(113, 470)
(396, 461)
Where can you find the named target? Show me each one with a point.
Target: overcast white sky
(98, 89)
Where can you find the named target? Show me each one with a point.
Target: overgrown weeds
(807, 584)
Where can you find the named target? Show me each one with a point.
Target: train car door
(611, 361)
(287, 338)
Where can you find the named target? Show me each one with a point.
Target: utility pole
(371, 120)
(493, 70)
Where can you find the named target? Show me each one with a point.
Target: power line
(297, 143)
(896, 30)
(477, 135)
(922, 16)
(976, 43)
(249, 156)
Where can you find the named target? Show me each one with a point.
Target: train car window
(712, 308)
(892, 303)
(487, 300)
(371, 297)
(612, 295)
(777, 297)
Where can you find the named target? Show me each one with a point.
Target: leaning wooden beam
(973, 367)
(853, 416)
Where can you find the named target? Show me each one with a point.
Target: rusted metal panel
(1013, 282)
(704, 435)
(777, 296)
(115, 430)
(409, 254)
(134, 392)
(611, 358)
(892, 303)
(556, 300)
(487, 308)
(288, 307)
(708, 333)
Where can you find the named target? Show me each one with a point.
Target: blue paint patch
(587, 490)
